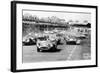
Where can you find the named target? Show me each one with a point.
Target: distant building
(46, 26)
(81, 28)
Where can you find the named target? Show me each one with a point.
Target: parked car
(45, 44)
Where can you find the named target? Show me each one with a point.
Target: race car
(29, 41)
(55, 38)
(72, 40)
(45, 44)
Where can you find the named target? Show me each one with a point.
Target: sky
(63, 15)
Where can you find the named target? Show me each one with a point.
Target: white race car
(45, 44)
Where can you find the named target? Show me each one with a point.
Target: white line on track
(71, 53)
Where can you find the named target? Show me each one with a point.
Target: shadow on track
(52, 51)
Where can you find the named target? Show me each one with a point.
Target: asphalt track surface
(64, 52)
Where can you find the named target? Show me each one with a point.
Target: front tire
(54, 48)
(38, 49)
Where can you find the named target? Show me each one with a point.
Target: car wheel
(54, 48)
(58, 42)
(38, 50)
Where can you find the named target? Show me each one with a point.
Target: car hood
(44, 42)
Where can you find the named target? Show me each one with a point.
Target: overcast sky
(63, 15)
